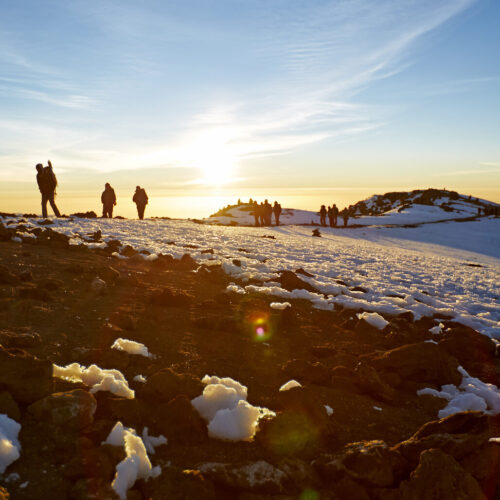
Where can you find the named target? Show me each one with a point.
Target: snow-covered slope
(402, 208)
(452, 270)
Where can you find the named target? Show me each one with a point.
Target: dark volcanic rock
(259, 477)
(290, 281)
(7, 277)
(422, 362)
(308, 371)
(74, 409)
(371, 463)
(171, 298)
(9, 407)
(26, 377)
(19, 340)
(457, 435)
(369, 381)
(166, 384)
(439, 475)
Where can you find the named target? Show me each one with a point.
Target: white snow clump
(235, 288)
(471, 395)
(437, 330)
(280, 305)
(373, 319)
(96, 378)
(329, 410)
(139, 378)
(229, 416)
(136, 465)
(10, 449)
(290, 385)
(132, 347)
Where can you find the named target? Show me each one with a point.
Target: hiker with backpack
(47, 183)
(140, 198)
(108, 200)
(277, 212)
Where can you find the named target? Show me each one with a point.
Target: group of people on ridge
(47, 184)
(263, 213)
(108, 199)
(332, 213)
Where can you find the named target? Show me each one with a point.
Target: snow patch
(373, 319)
(329, 410)
(10, 449)
(281, 306)
(140, 378)
(97, 378)
(132, 347)
(136, 465)
(229, 416)
(471, 395)
(290, 385)
(437, 330)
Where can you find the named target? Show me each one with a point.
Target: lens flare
(260, 327)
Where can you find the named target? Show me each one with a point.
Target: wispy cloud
(310, 60)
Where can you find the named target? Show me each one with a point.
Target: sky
(206, 101)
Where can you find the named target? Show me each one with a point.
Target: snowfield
(443, 269)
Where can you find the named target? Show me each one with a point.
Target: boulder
(458, 435)
(170, 298)
(369, 382)
(371, 463)
(9, 407)
(290, 281)
(422, 362)
(165, 384)
(26, 377)
(35, 293)
(177, 484)
(50, 284)
(72, 409)
(92, 462)
(7, 277)
(439, 475)
(108, 274)
(484, 465)
(123, 320)
(179, 421)
(19, 340)
(307, 371)
(258, 477)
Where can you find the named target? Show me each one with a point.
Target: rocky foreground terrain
(382, 440)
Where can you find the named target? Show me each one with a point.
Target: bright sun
(215, 158)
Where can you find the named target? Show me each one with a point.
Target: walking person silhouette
(47, 183)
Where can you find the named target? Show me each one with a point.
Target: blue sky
(195, 98)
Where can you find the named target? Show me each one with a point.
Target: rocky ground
(381, 442)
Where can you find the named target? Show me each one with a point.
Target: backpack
(49, 178)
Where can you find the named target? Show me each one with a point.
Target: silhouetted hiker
(335, 214)
(47, 184)
(277, 212)
(262, 210)
(140, 198)
(345, 216)
(330, 216)
(256, 213)
(108, 200)
(322, 215)
(268, 213)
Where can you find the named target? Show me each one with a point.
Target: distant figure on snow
(268, 213)
(256, 213)
(322, 215)
(47, 183)
(335, 214)
(108, 199)
(345, 216)
(330, 216)
(277, 212)
(141, 200)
